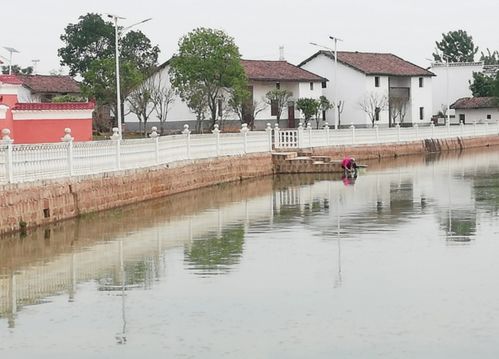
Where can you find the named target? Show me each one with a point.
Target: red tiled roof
(263, 70)
(50, 83)
(372, 63)
(467, 103)
(54, 106)
(10, 79)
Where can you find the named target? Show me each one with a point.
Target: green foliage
(309, 107)
(89, 50)
(456, 46)
(490, 58)
(68, 98)
(216, 254)
(482, 85)
(206, 66)
(16, 69)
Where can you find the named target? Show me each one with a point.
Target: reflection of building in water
(211, 224)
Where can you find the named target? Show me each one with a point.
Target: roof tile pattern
(467, 103)
(372, 63)
(10, 79)
(263, 70)
(56, 106)
(50, 83)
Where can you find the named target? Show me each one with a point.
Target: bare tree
(278, 100)
(399, 108)
(141, 103)
(341, 106)
(372, 104)
(163, 98)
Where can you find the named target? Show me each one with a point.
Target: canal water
(400, 263)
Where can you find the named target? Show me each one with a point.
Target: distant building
(263, 76)
(363, 77)
(43, 88)
(477, 109)
(32, 121)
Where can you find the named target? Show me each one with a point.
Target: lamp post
(335, 96)
(446, 58)
(10, 50)
(117, 35)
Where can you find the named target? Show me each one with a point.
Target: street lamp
(10, 50)
(335, 53)
(117, 35)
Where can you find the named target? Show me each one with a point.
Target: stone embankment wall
(37, 203)
(28, 205)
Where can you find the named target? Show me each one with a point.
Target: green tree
(16, 69)
(206, 67)
(324, 105)
(482, 85)
(456, 46)
(490, 58)
(278, 100)
(89, 51)
(142, 102)
(309, 107)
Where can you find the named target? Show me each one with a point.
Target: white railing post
(309, 129)
(352, 127)
(326, 130)
(432, 126)
(268, 129)
(376, 130)
(417, 131)
(474, 128)
(277, 143)
(461, 128)
(187, 134)
(486, 127)
(216, 132)
(116, 137)
(448, 128)
(155, 135)
(300, 135)
(398, 132)
(69, 140)
(244, 131)
(9, 168)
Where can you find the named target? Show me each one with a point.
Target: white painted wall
(459, 74)
(180, 112)
(478, 115)
(421, 97)
(350, 88)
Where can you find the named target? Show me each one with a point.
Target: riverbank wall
(31, 204)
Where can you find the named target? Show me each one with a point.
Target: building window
(489, 117)
(421, 82)
(377, 110)
(376, 81)
(311, 86)
(324, 84)
(220, 107)
(462, 118)
(273, 108)
(278, 85)
(421, 113)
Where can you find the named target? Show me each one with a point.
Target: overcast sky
(407, 28)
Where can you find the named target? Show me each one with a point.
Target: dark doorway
(291, 115)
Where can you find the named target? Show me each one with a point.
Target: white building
(263, 76)
(477, 109)
(451, 83)
(396, 91)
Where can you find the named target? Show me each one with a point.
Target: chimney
(281, 53)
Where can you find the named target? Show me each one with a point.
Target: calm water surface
(401, 264)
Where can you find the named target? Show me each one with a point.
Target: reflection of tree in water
(459, 225)
(486, 188)
(216, 254)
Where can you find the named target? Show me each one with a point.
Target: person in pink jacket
(349, 166)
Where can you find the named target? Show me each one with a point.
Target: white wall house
(263, 76)
(363, 77)
(451, 83)
(476, 109)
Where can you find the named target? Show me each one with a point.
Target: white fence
(23, 163)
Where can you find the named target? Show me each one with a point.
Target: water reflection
(211, 234)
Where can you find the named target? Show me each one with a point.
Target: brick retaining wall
(46, 202)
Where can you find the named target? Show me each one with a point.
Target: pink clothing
(346, 163)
